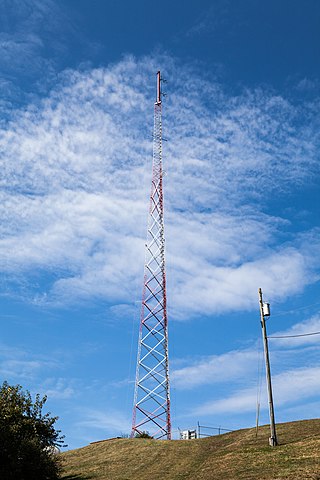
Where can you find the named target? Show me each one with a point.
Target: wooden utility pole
(265, 312)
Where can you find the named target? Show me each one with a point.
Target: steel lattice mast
(151, 410)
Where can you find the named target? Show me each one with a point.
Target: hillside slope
(232, 456)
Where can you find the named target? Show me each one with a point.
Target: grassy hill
(238, 455)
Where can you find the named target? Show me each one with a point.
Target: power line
(293, 336)
(288, 312)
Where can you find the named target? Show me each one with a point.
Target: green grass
(238, 455)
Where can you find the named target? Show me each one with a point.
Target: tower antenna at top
(158, 102)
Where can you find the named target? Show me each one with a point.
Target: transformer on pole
(151, 410)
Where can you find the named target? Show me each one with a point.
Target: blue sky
(241, 120)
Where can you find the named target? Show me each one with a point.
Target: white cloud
(59, 388)
(232, 287)
(228, 367)
(114, 422)
(31, 31)
(304, 329)
(289, 387)
(76, 176)
(18, 364)
(20, 368)
(295, 380)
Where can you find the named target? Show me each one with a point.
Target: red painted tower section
(151, 410)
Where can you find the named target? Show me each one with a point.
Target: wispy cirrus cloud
(35, 41)
(227, 367)
(290, 387)
(295, 379)
(31, 32)
(77, 169)
(59, 388)
(113, 422)
(233, 364)
(19, 364)
(300, 334)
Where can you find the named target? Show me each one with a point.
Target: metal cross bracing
(151, 411)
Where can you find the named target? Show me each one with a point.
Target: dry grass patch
(239, 455)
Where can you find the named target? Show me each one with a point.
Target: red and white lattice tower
(151, 410)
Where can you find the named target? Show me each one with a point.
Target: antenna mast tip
(158, 102)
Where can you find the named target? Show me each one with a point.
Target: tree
(28, 438)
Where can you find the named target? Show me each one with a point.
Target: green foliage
(28, 438)
(143, 435)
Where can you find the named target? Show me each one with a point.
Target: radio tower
(151, 410)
